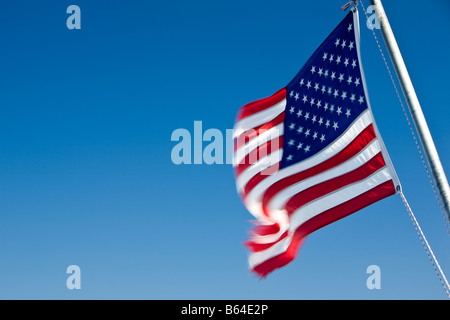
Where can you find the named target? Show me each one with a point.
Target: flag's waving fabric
(310, 154)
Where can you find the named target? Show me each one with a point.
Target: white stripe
(279, 201)
(318, 206)
(366, 95)
(255, 168)
(271, 238)
(255, 208)
(334, 199)
(258, 119)
(259, 257)
(361, 123)
(261, 139)
(282, 219)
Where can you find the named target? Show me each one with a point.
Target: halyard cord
(426, 246)
(410, 126)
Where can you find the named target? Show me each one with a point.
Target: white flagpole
(414, 106)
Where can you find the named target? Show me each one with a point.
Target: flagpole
(414, 106)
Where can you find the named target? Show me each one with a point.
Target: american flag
(310, 154)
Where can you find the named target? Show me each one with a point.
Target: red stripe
(248, 135)
(321, 189)
(343, 210)
(259, 105)
(266, 229)
(258, 153)
(255, 247)
(257, 178)
(358, 144)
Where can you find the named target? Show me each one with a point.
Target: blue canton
(325, 97)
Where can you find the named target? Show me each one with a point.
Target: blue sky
(86, 176)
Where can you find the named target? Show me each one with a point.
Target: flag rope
(410, 126)
(426, 246)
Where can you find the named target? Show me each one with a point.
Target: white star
(312, 101)
(302, 82)
(307, 116)
(346, 62)
(313, 69)
(319, 104)
(320, 121)
(330, 91)
(353, 98)
(326, 106)
(300, 130)
(354, 64)
(331, 58)
(315, 135)
(339, 111)
(325, 56)
(349, 27)
(337, 42)
(307, 148)
(300, 145)
(361, 100)
(299, 113)
(314, 119)
(316, 87)
(341, 77)
(357, 83)
(335, 126)
(326, 73)
(291, 94)
(349, 81)
(292, 126)
(351, 45)
(344, 95)
(324, 89)
(343, 43)
(348, 114)
(291, 142)
(297, 96)
(336, 93)
(320, 72)
(307, 132)
(308, 85)
(289, 158)
(338, 60)
(332, 108)
(292, 110)
(322, 138)
(305, 99)
(328, 123)
(333, 75)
